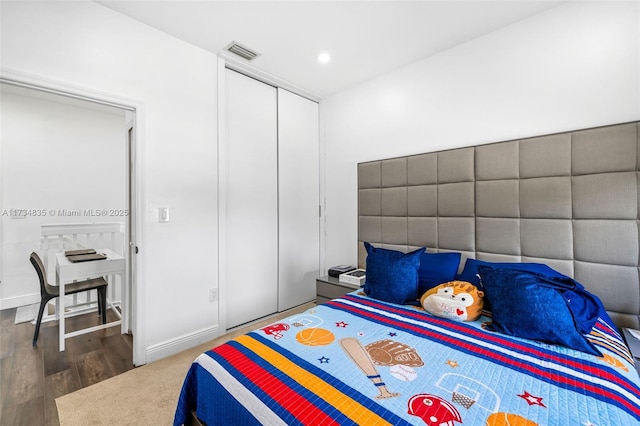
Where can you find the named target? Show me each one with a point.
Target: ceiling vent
(242, 51)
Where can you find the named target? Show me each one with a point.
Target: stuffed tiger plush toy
(456, 300)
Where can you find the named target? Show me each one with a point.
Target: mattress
(357, 360)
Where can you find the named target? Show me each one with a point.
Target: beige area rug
(30, 312)
(146, 395)
(27, 313)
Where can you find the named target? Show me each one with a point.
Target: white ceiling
(364, 38)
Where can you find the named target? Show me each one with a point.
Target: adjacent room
(309, 212)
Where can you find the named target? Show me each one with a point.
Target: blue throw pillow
(532, 306)
(586, 307)
(392, 276)
(435, 269)
(470, 271)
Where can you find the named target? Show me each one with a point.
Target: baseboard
(182, 343)
(14, 302)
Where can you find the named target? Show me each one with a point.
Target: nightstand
(634, 346)
(328, 288)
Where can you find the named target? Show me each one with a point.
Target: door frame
(136, 199)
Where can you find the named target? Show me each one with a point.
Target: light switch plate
(163, 214)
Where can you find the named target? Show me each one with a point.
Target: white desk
(67, 272)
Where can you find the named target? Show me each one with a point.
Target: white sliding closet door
(298, 193)
(251, 193)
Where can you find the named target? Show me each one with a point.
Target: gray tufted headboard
(569, 200)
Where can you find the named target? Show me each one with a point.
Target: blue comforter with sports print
(356, 360)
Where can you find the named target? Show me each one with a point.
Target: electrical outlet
(213, 294)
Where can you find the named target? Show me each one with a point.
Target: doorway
(65, 160)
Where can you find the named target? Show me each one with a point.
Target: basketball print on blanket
(315, 337)
(508, 419)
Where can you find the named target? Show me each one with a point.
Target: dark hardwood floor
(32, 377)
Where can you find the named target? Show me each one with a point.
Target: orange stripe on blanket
(342, 402)
(604, 341)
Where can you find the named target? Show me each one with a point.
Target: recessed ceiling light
(324, 58)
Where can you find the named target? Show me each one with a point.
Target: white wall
(571, 67)
(56, 157)
(86, 45)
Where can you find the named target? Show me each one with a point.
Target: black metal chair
(48, 291)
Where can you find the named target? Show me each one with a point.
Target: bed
(565, 205)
